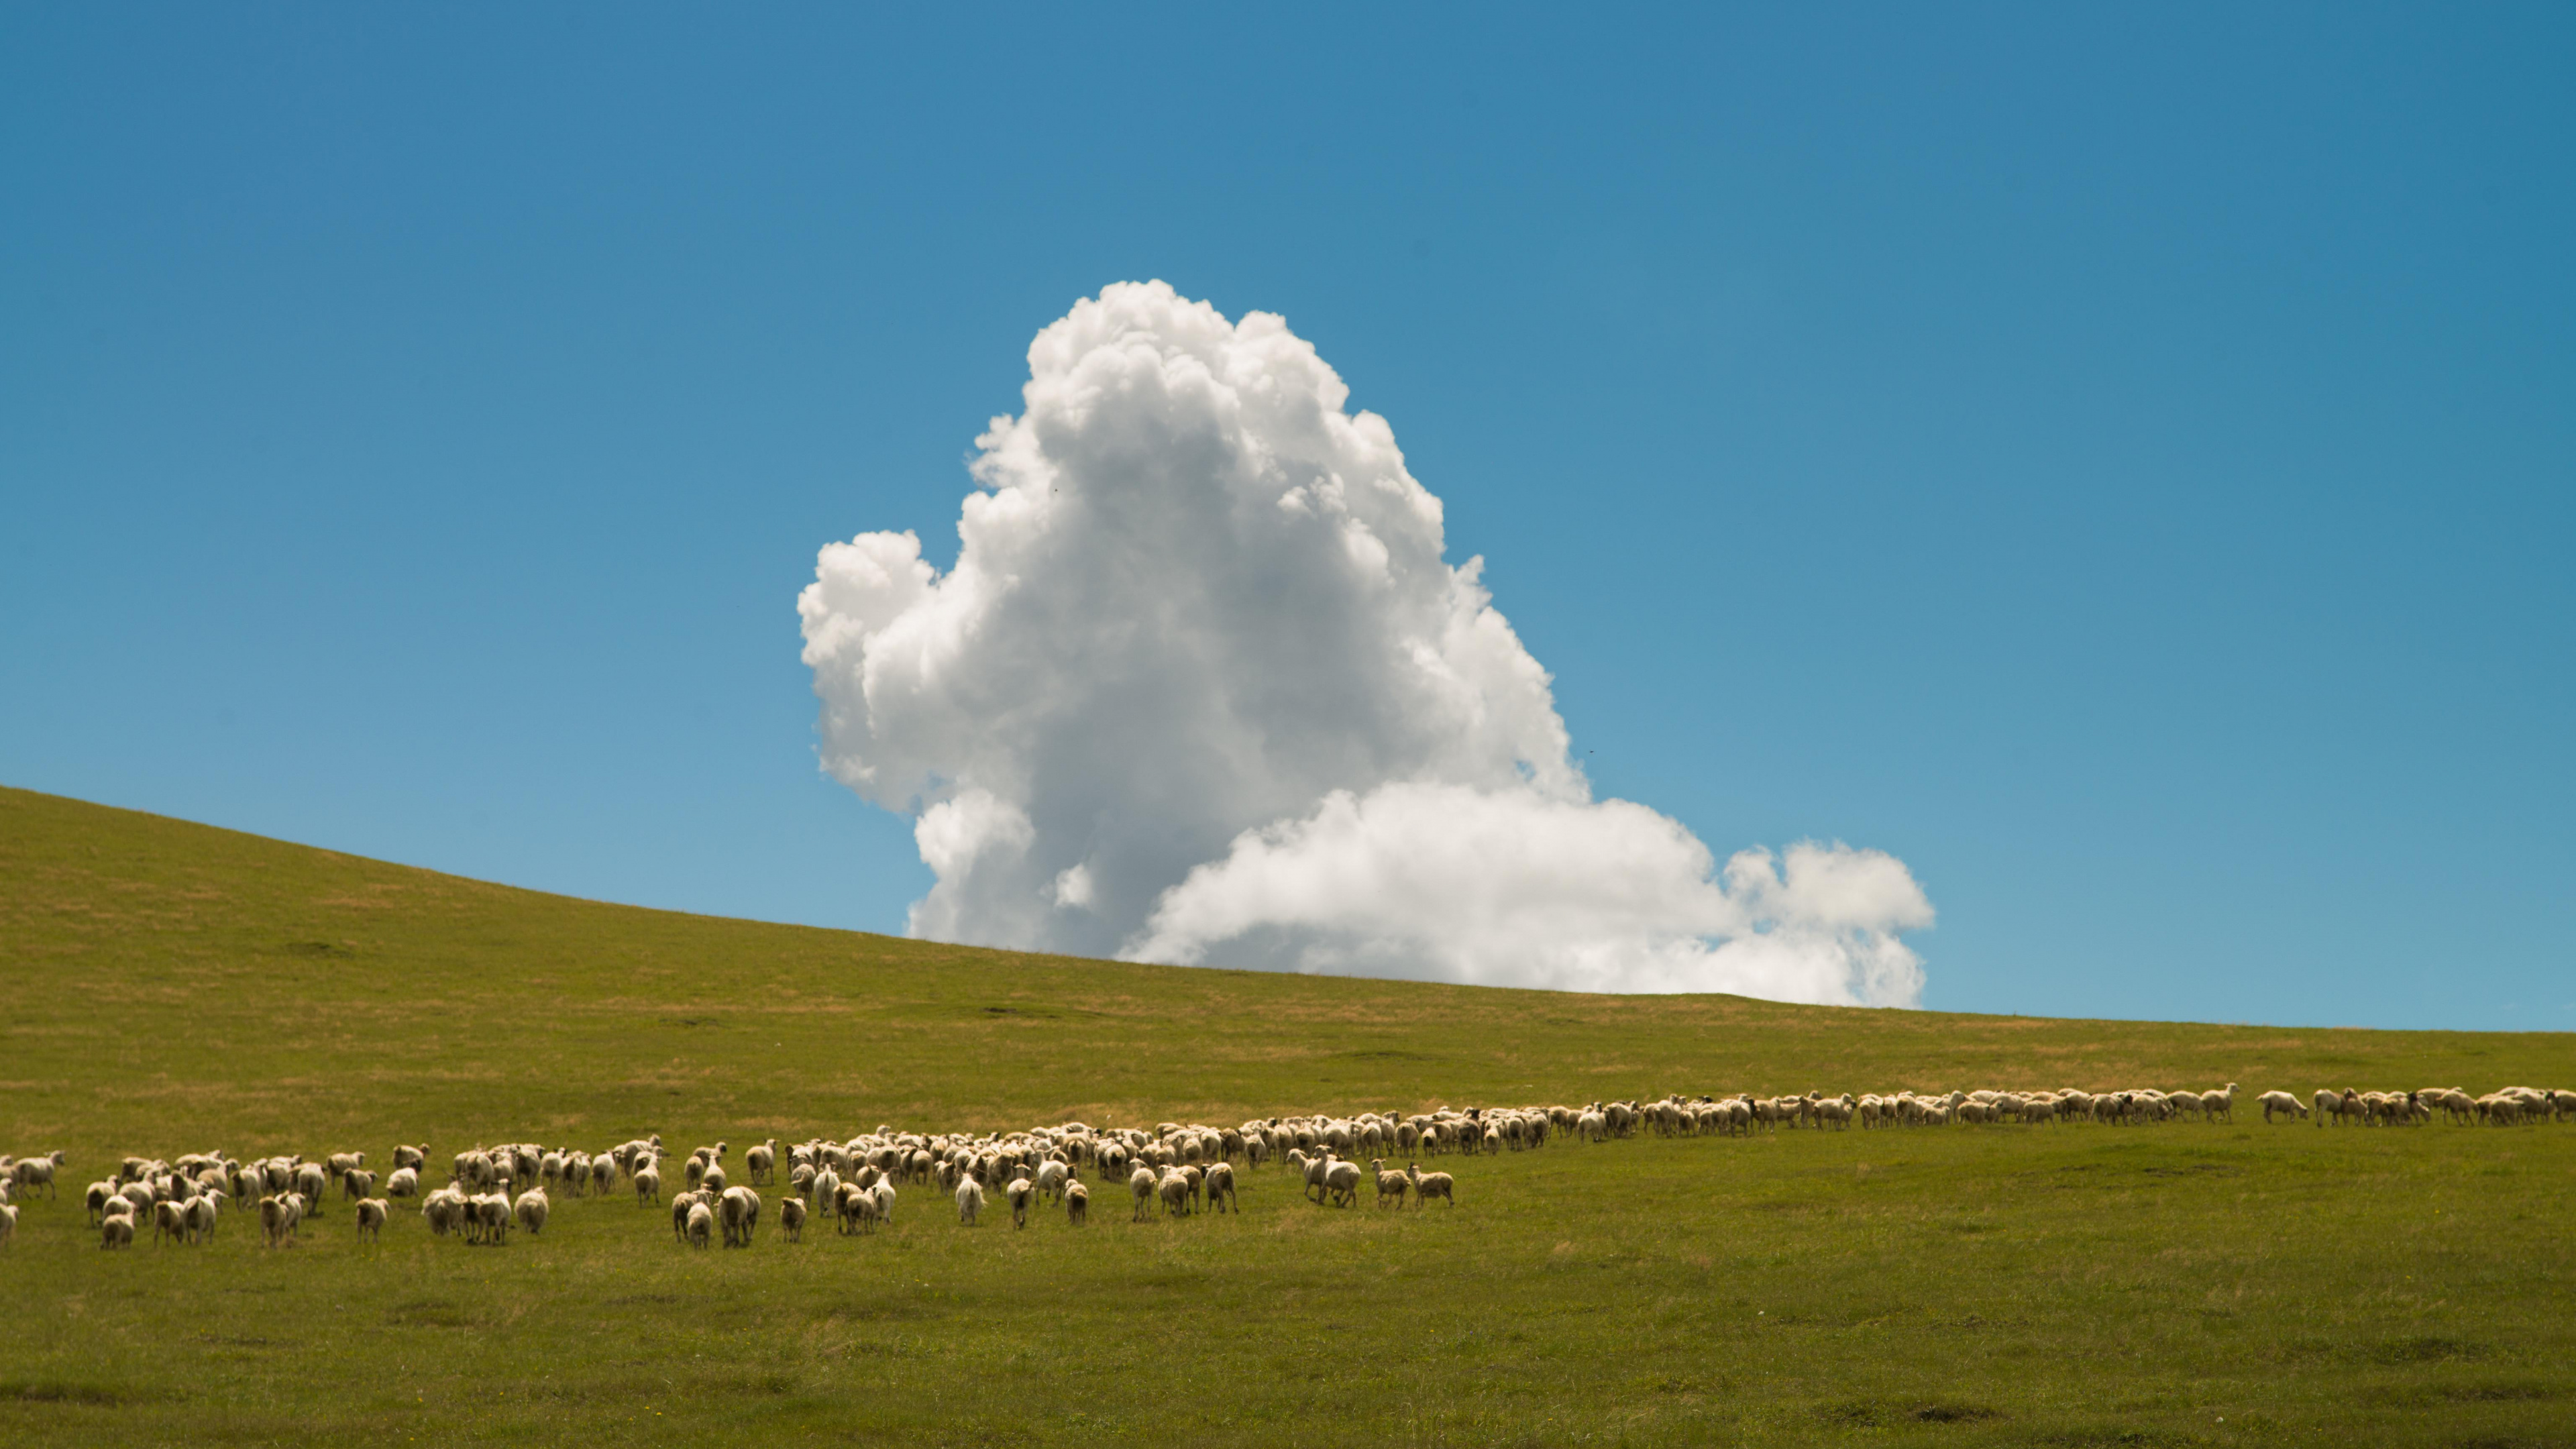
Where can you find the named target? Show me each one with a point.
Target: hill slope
(167, 987)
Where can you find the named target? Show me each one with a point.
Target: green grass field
(167, 988)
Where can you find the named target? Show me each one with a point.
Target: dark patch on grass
(59, 1391)
(635, 1299)
(2122, 1438)
(2423, 1349)
(1388, 1055)
(1952, 1413)
(2195, 1169)
(320, 948)
(692, 1021)
(432, 1313)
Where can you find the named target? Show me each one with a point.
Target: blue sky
(2118, 463)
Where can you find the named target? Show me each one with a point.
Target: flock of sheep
(1175, 1170)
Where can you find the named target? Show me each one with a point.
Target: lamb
(603, 1174)
(168, 1222)
(312, 1182)
(1077, 1204)
(444, 1211)
(970, 1200)
(357, 1183)
(1389, 1184)
(403, 1182)
(1428, 1185)
(1141, 1184)
(1174, 1189)
(116, 1231)
(791, 1219)
(760, 1162)
(530, 1210)
(648, 1185)
(2285, 1103)
(1220, 1188)
(201, 1216)
(1018, 1194)
(371, 1217)
(699, 1226)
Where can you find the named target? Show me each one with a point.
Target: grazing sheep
(1428, 1185)
(167, 1221)
(1174, 1189)
(404, 1182)
(1141, 1185)
(760, 1162)
(531, 1210)
(312, 1182)
(357, 1183)
(371, 1217)
(2285, 1103)
(791, 1219)
(603, 1174)
(699, 1229)
(1018, 1194)
(1052, 1176)
(1077, 1204)
(970, 1200)
(1220, 1188)
(443, 1210)
(116, 1231)
(648, 1186)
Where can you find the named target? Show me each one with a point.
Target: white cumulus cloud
(1203, 688)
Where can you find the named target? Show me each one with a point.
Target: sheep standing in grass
(200, 1216)
(371, 1217)
(1077, 1204)
(648, 1185)
(1428, 1185)
(116, 1231)
(698, 1229)
(1019, 1194)
(739, 1208)
(1342, 1183)
(1220, 1188)
(1140, 1185)
(760, 1162)
(530, 1210)
(2283, 1104)
(405, 1182)
(1174, 1189)
(1389, 1184)
(970, 1200)
(272, 1221)
(791, 1219)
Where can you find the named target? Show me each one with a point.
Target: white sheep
(1220, 1188)
(699, 1228)
(791, 1219)
(739, 1210)
(1018, 1194)
(1140, 1185)
(648, 1185)
(1389, 1184)
(1077, 1203)
(1342, 1181)
(116, 1231)
(2285, 1104)
(530, 1210)
(970, 1200)
(371, 1217)
(1428, 1185)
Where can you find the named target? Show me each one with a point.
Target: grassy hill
(167, 987)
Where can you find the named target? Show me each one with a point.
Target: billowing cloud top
(1202, 688)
